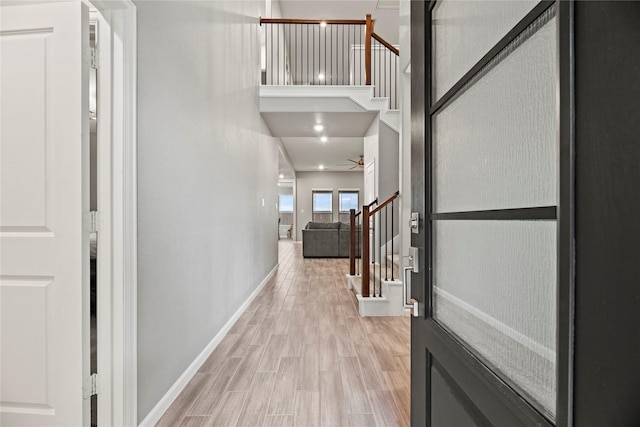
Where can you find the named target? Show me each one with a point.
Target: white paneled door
(44, 250)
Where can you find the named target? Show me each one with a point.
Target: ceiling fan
(355, 163)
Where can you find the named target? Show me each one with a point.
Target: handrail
(385, 203)
(312, 21)
(372, 246)
(375, 201)
(386, 44)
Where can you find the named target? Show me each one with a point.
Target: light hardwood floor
(301, 356)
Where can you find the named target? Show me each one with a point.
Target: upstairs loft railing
(377, 230)
(329, 52)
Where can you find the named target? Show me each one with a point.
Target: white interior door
(370, 183)
(43, 184)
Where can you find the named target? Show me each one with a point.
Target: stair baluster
(392, 240)
(373, 261)
(352, 242)
(329, 52)
(386, 239)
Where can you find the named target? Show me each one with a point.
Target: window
(286, 203)
(285, 208)
(347, 200)
(322, 206)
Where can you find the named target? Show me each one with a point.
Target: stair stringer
(391, 303)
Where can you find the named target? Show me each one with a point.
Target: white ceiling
(284, 171)
(345, 138)
(335, 124)
(307, 154)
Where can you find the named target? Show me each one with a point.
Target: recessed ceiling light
(318, 127)
(324, 139)
(323, 24)
(281, 176)
(321, 76)
(321, 167)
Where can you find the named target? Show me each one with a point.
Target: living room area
(324, 197)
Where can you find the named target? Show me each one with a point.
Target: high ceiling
(344, 134)
(344, 131)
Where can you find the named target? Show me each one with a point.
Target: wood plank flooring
(301, 356)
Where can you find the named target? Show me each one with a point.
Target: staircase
(389, 300)
(375, 270)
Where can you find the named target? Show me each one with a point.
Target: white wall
(308, 181)
(285, 189)
(206, 162)
(405, 127)
(388, 155)
(381, 145)
(371, 156)
(389, 172)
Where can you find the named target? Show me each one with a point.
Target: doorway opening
(93, 207)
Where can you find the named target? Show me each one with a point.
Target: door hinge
(91, 386)
(94, 58)
(92, 221)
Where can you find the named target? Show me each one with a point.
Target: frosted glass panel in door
(464, 31)
(495, 288)
(502, 128)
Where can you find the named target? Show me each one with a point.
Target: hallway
(301, 356)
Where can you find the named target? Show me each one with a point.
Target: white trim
(532, 345)
(104, 261)
(322, 189)
(174, 391)
(130, 219)
(117, 338)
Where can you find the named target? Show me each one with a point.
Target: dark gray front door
(491, 344)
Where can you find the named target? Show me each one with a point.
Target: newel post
(365, 255)
(367, 50)
(352, 242)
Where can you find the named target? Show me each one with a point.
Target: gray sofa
(326, 240)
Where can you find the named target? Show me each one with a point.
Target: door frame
(471, 373)
(117, 206)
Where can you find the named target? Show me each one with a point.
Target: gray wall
(388, 162)
(285, 189)
(389, 172)
(206, 163)
(405, 128)
(307, 181)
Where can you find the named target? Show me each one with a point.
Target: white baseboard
(172, 394)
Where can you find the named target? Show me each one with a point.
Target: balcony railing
(329, 52)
